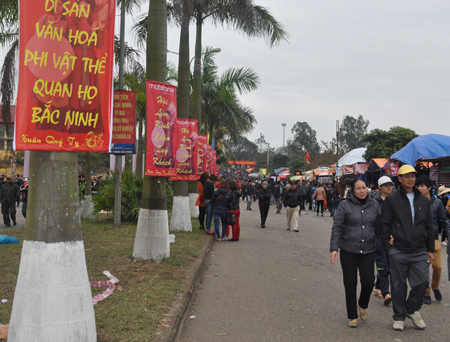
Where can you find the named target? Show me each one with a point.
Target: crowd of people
(396, 230)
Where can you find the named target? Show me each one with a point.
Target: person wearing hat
(440, 221)
(264, 196)
(385, 186)
(406, 218)
(9, 195)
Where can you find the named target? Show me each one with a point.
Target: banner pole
(118, 198)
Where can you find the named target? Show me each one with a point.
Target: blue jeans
(336, 203)
(222, 214)
(209, 214)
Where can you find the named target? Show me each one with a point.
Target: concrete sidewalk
(277, 285)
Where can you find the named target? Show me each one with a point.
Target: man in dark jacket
(279, 196)
(9, 195)
(249, 192)
(406, 216)
(303, 192)
(385, 185)
(291, 201)
(264, 196)
(440, 221)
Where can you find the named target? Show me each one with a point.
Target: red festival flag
(66, 59)
(201, 153)
(209, 159)
(185, 150)
(161, 121)
(307, 157)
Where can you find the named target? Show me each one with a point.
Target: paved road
(20, 221)
(276, 285)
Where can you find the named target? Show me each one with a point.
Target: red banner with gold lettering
(185, 150)
(161, 124)
(201, 154)
(215, 162)
(209, 159)
(66, 59)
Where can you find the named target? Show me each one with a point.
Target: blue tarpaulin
(429, 146)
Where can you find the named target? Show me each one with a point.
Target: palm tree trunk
(139, 151)
(53, 264)
(152, 234)
(196, 105)
(88, 206)
(181, 217)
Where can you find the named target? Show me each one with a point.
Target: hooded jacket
(354, 226)
(396, 220)
(440, 219)
(221, 199)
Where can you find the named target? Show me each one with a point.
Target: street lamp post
(284, 128)
(268, 148)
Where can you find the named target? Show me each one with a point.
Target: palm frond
(8, 82)
(243, 79)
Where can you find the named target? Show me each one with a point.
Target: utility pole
(284, 128)
(118, 167)
(337, 137)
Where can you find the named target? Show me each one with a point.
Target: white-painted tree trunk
(181, 215)
(88, 206)
(152, 235)
(53, 299)
(192, 208)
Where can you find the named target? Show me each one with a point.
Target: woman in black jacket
(353, 233)
(221, 200)
(235, 197)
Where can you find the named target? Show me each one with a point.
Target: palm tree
(223, 113)
(152, 233)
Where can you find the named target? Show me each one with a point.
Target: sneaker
(210, 233)
(15, 223)
(7, 225)
(288, 228)
(437, 295)
(417, 320)
(218, 239)
(317, 214)
(263, 226)
(295, 230)
(427, 300)
(444, 242)
(322, 215)
(399, 325)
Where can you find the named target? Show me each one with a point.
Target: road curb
(172, 324)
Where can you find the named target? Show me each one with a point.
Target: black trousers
(319, 204)
(201, 215)
(9, 209)
(350, 264)
(264, 211)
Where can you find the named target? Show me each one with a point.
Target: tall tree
(181, 215)
(383, 144)
(152, 234)
(353, 129)
(304, 140)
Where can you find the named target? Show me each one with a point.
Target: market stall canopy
(378, 163)
(281, 169)
(429, 146)
(353, 157)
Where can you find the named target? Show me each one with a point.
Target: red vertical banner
(185, 150)
(201, 153)
(161, 122)
(209, 159)
(66, 59)
(214, 162)
(124, 122)
(217, 165)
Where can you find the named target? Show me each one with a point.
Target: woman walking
(200, 203)
(221, 199)
(353, 233)
(235, 197)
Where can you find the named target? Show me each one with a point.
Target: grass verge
(148, 287)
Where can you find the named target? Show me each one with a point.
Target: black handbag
(231, 219)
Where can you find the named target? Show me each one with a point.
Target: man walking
(9, 195)
(264, 196)
(249, 192)
(382, 284)
(406, 217)
(279, 191)
(291, 201)
(320, 196)
(303, 191)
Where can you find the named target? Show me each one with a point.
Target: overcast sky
(387, 60)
